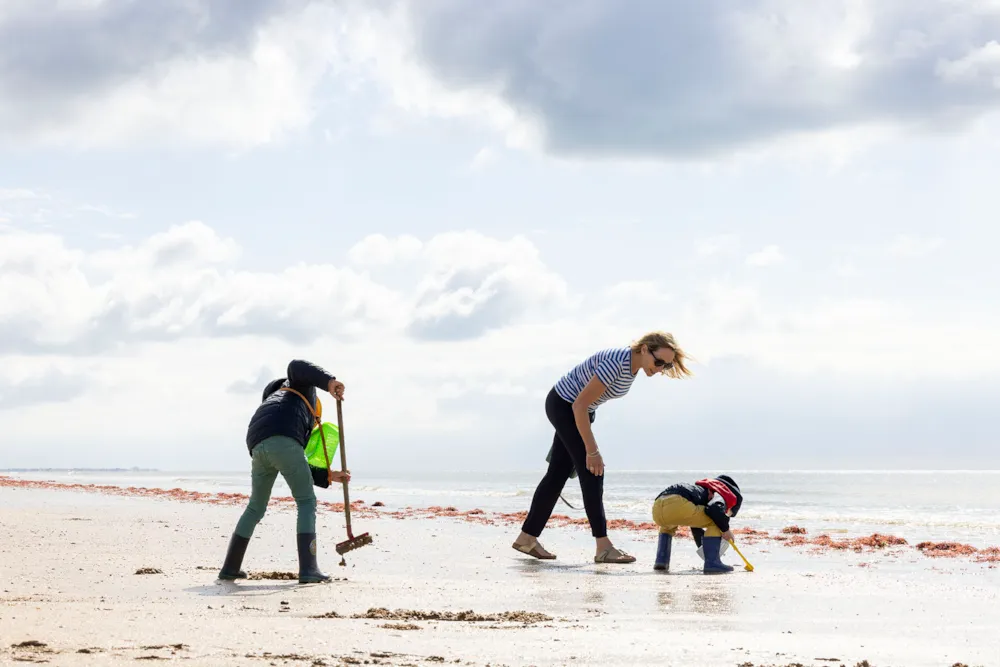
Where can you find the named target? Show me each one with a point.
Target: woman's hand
(595, 464)
(728, 536)
(336, 388)
(341, 476)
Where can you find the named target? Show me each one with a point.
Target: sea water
(937, 505)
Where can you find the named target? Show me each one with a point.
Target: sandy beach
(100, 576)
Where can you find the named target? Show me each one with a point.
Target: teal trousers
(279, 454)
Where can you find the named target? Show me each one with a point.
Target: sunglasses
(660, 363)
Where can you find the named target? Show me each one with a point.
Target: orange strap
(319, 425)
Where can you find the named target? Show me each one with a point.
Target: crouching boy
(706, 507)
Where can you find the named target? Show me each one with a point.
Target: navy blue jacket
(284, 413)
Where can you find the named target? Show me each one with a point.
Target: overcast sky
(449, 203)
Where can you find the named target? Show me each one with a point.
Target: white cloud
(179, 283)
(184, 283)
(171, 83)
(981, 65)
(483, 158)
(722, 244)
(106, 211)
(455, 289)
(202, 73)
(42, 389)
(378, 250)
(171, 325)
(846, 269)
(242, 101)
(383, 46)
(767, 256)
(819, 73)
(9, 194)
(913, 247)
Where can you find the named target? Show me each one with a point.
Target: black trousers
(568, 452)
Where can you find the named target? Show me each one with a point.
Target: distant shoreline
(81, 470)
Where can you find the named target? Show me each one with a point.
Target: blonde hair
(655, 340)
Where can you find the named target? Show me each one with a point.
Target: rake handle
(343, 468)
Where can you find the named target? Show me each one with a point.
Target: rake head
(354, 543)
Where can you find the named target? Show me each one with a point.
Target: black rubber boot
(662, 561)
(308, 569)
(234, 559)
(713, 564)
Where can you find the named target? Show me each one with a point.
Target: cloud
(185, 282)
(980, 66)
(10, 194)
(607, 78)
(255, 386)
(846, 268)
(115, 72)
(722, 244)
(459, 285)
(378, 250)
(463, 288)
(456, 331)
(664, 80)
(52, 386)
(466, 283)
(483, 158)
(106, 211)
(175, 284)
(913, 247)
(192, 244)
(767, 256)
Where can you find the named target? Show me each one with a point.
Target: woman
(571, 407)
(276, 437)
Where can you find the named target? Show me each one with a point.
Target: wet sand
(112, 576)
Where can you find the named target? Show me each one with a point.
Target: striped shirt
(612, 366)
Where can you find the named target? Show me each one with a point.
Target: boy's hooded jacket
(727, 497)
(284, 413)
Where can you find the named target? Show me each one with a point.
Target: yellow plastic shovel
(748, 566)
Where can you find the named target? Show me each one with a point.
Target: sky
(448, 205)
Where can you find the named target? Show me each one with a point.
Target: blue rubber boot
(713, 564)
(662, 561)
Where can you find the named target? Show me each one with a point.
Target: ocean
(936, 505)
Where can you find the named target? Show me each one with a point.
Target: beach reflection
(712, 599)
(604, 590)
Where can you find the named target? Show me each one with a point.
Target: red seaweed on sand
(169, 494)
(988, 555)
(792, 536)
(858, 544)
(946, 549)
(752, 535)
